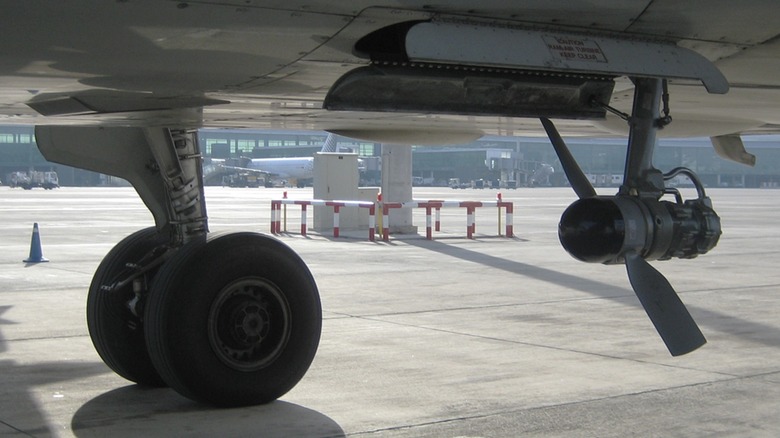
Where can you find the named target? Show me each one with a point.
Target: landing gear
(227, 319)
(233, 320)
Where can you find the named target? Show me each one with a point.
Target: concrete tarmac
(490, 337)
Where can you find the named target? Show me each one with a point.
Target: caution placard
(569, 49)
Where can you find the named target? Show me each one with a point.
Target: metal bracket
(640, 177)
(178, 157)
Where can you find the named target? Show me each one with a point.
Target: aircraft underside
(235, 319)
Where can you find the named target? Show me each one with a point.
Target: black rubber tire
(233, 320)
(116, 333)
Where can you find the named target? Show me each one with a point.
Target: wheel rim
(249, 324)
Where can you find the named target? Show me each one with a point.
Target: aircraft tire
(116, 332)
(233, 319)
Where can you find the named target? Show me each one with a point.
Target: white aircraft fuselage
(288, 168)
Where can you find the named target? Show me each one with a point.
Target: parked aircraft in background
(119, 87)
(298, 169)
(289, 168)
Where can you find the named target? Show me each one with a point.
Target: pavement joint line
(86, 335)
(489, 306)
(57, 268)
(16, 428)
(550, 347)
(634, 304)
(548, 406)
(726, 289)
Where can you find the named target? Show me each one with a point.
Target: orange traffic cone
(36, 253)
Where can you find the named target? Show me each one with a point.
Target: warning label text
(574, 49)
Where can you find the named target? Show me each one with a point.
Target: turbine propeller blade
(579, 182)
(664, 307)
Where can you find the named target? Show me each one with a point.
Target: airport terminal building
(495, 160)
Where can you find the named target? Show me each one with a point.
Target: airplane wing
(119, 87)
(264, 64)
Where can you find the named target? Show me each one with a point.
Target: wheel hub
(249, 324)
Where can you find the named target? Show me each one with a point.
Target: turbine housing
(602, 229)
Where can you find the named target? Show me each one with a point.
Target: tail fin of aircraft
(330, 144)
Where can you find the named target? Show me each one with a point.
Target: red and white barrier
(429, 206)
(276, 213)
(470, 207)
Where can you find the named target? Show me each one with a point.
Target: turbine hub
(602, 229)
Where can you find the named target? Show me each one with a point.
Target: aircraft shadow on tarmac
(150, 412)
(748, 330)
(133, 411)
(17, 382)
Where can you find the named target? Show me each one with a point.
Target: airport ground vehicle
(28, 180)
